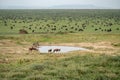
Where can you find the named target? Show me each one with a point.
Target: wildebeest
(32, 48)
(56, 50)
(50, 50)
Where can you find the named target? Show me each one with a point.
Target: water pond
(63, 49)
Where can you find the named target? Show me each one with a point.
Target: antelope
(50, 50)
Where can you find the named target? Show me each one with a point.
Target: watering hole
(63, 49)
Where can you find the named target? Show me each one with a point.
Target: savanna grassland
(96, 30)
(51, 21)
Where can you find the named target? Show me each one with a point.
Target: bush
(36, 77)
(39, 67)
(22, 31)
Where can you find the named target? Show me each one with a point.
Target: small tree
(11, 27)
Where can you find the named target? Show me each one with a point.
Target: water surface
(64, 49)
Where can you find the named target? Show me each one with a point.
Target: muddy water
(63, 49)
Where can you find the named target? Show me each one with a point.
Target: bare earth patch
(11, 51)
(8, 46)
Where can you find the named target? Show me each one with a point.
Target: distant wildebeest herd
(59, 21)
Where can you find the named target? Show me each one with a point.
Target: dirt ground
(12, 51)
(8, 46)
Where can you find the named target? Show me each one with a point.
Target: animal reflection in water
(54, 50)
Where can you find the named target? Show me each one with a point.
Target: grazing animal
(36, 45)
(32, 48)
(50, 50)
(56, 50)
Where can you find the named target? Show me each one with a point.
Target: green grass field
(72, 67)
(96, 30)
